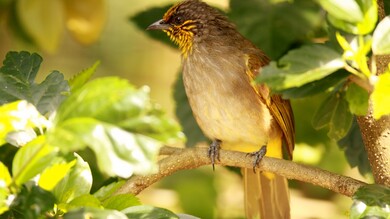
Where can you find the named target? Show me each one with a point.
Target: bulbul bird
(219, 66)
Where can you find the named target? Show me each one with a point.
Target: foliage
(108, 116)
(371, 201)
(45, 32)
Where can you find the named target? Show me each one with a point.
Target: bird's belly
(234, 115)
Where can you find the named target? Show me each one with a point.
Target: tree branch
(376, 133)
(191, 158)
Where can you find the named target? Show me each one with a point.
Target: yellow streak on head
(182, 36)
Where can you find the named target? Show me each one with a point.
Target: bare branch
(191, 158)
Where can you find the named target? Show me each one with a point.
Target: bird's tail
(265, 197)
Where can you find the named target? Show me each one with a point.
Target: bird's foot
(213, 151)
(258, 156)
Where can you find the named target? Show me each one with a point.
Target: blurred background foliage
(71, 35)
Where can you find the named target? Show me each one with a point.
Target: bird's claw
(258, 156)
(213, 151)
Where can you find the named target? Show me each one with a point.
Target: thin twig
(191, 158)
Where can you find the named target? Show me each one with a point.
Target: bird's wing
(280, 108)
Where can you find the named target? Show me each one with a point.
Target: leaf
(347, 10)
(5, 176)
(77, 182)
(316, 87)
(85, 19)
(81, 78)
(301, 66)
(143, 19)
(371, 201)
(357, 99)
(105, 192)
(144, 211)
(120, 153)
(270, 26)
(354, 150)
(18, 120)
(381, 40)
(118, 122)
(121, 201)
(32, 202)
(184, 114)
(52, 175)
(85, 200)
(333, 113)
(5, 181)
(364, 26)
(43, 21)
(380, 96)
(17, 77)
(94, 213)
(32, 159)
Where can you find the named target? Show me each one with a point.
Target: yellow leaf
(85, 19)
(43, 20)
(54, 174)
(380, 96)
(5, 176)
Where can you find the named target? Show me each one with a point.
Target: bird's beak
(158, 25)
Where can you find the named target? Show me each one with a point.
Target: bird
(235, 113)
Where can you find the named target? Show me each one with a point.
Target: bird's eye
(178, 20)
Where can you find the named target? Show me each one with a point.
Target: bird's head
(189, 22)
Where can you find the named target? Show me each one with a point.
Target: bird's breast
(222, 99)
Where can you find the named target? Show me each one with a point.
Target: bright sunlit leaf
(381, 39)
(77, 182)
(301, 66)
(32, 159)
(77, 81)
(17, 121)
(53, 174)
(347, 10)
(380, 96)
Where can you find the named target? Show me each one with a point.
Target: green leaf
(380, 96)
(94, 213)
(45, 30)
(347, 10)
(334, 113)
(381, 39)
(17, 77)
(357, 99)
(81, 78)
(371, 201)
(31, 202)
(5, 181)
(18, 120)
(32, 159)
(143, 19)
(77, 182)
(121, 201)
(120, 153)
(270, 26)
(118, 122)
(144, 211)
(301, 66)
(316, 87)
(184, 114)
(105, 192)
(362, 27)
(86, 200)
(54, 174)
(354, 150)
